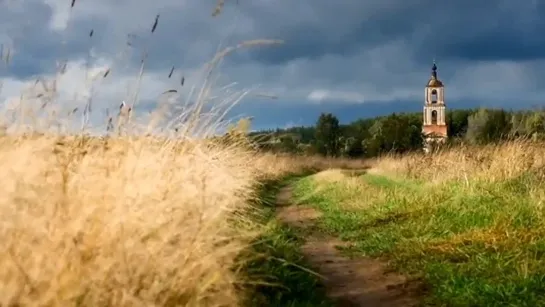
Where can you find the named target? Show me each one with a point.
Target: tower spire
(434, 70)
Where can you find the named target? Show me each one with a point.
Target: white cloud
(60, 14)
(320, 95)
(291, 124)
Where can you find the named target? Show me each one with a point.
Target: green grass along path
(470, 246)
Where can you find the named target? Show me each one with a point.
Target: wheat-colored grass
(126, 221)
(492, 162)
(120, 223)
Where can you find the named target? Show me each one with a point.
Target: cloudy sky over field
(354, 58)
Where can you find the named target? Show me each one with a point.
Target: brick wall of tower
(439, 130)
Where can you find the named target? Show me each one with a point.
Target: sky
(356, 59)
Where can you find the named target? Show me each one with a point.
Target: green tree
(457, 122)
(395, 133)
(476, 126)
(486, 126)
(288, 143)
(374, 144)
(327, 135)
(518, 124)
(536, 123)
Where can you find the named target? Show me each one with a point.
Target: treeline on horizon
(399, 133)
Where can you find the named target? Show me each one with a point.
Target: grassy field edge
(471, 246)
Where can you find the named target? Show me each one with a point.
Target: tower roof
(434, 82)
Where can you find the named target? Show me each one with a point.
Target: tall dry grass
(279, 165)
(129, 220)
(126, 222)
(494, 162)
(119, 222)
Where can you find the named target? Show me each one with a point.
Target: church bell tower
(434, 127)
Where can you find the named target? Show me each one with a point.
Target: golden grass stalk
(119, 223)
(492, 162)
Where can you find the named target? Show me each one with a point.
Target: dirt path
(351, 282)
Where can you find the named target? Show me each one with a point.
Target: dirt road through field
(350, 282)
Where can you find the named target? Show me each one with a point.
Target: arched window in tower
(434, 117)
(434, 96)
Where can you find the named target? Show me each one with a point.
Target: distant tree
(476, 126)
(327, 135)
(348, 145)
(287, 143)
(374, 144)
(457, 122)
(398, 133)
(535, 124)
(486, 126)
(518, 124)
(395, 133)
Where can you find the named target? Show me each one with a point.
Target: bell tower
(434, 127)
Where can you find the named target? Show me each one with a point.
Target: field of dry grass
(467, 221)
(118, 222)
(469, 163)
(127, 221)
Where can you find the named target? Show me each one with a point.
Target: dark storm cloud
(461, 30)
(340, 28)
(377, 49)
(489, 31)
(468, 30)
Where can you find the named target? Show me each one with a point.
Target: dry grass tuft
(274, 165)
(127, 221)
(120, 223)
(465, 163)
